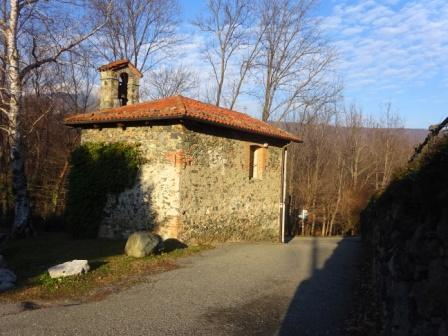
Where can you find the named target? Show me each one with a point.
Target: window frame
(257, 157)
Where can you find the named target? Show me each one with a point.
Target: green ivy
(97, 170)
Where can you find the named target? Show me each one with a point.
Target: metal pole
(284, 195)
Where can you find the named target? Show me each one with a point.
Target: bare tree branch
(54, 58)
(227, 23)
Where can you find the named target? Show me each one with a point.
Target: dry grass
(110, 269)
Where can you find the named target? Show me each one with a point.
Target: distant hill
(416, 135)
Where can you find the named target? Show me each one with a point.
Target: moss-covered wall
(153, 203)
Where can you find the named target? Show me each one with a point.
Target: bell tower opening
(123, 89)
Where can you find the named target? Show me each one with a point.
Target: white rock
(141, 244)
(69, 268)
(6, 275)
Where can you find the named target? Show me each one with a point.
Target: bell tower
(120, 81)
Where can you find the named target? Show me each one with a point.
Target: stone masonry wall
(406, 232)
(153, 203)
(194, 187)
(218, 200)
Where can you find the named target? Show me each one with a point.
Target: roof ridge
(120, 63)
(224, 108)
(125, 107)
(181, 99)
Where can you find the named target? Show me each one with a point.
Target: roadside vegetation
(93, 168)
(110, 269)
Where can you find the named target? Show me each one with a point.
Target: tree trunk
(338, 199)
(59, 186)
(324, 225)
(323, 229)
(221, 78)
(313, 222)
(267, 93)
(22, 224)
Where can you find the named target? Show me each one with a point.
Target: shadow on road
(320, 303)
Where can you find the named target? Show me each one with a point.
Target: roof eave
(241, 129)
(118, 120)
(180, 116)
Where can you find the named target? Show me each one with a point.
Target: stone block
(69, 268)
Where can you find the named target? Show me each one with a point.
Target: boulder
(7, 279)
(4, 286)
(141, 244)
(6, 275)
(69, 268)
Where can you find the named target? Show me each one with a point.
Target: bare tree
(344, 160)
(294, 58)
(167, 82)
(142, 31)
(36, 33)
(249, 55)
(75, 78)
(227, 22)
(49, 94)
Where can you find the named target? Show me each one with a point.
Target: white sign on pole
(303, 214)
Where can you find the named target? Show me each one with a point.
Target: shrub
(97, 170)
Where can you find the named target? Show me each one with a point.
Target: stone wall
(153, 203)
(406, 232)
(194, 187)
(218, 200)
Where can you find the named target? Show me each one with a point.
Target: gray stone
(4, 286)
(7, 279)
(69, 268)
(141, 244)
(6, 275)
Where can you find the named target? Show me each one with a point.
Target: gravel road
(299, 288)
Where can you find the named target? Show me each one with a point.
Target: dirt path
(301, 288)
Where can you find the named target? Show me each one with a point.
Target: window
(257, 162)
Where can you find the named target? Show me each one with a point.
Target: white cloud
(384, 44)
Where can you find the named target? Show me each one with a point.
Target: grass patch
(111, 270)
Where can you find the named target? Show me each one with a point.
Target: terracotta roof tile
(179, 107)
(120, 64)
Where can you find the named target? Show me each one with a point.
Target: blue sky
(388, 51)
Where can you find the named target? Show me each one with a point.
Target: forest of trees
(344, 160)
(270, 50)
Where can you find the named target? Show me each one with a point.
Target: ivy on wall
(97, 170)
